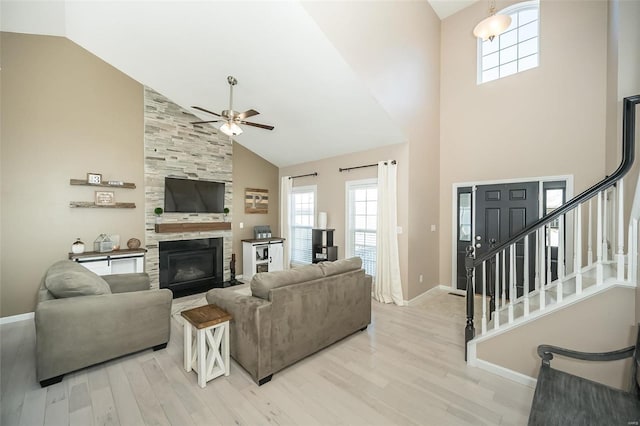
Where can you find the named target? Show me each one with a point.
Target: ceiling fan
(230, 117)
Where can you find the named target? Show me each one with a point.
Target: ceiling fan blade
(206, 110)
(204, 122)
(248, 113)
(262, 126)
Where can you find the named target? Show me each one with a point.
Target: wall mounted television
(193, 196)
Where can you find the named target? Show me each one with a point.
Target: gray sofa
(84, 319)
(281, 317)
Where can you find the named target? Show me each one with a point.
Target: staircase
(599, 251)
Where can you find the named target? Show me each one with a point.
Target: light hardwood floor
(406, 368)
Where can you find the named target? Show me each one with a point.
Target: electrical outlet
(241, 225)
(421, 277)
(433, 228)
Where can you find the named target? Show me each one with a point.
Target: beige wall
(589, 326)
(64, 113)
(529, 124)
(394, 48)
(331, 194)
(252, 171)
(623, 79)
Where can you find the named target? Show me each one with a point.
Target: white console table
(261, 255)
(113, 262)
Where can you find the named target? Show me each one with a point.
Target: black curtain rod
(346, 169)
(310, 174)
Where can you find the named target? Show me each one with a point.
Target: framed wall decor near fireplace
(256, 200)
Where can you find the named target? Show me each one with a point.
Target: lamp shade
(230, 129)
(492, 26)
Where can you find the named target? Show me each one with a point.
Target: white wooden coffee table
(208, 355)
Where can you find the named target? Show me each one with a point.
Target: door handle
(478, 245)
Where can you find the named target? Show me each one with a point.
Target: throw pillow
(68, 279)
(341, 266)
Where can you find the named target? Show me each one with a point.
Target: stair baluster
(484, 298)
(599, 241)
(620, 255)
(525, 276)
(578, 247)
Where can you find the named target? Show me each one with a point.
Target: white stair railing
(513, 299)
(551, 287)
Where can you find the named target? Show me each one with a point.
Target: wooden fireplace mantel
(163, 228)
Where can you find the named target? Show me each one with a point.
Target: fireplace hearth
(191, 266)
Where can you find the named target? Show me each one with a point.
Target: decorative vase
(77, 247)
(133, 243)
(322, 220)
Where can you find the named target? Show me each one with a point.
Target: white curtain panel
(387, 283)
(285, 204)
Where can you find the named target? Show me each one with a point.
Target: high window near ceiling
(303, 212)
(362, 211)
(516, 49)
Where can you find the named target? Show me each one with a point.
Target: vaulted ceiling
(285, 66)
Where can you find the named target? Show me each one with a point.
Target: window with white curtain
(516, 49)
(362, 211)
(303, 212)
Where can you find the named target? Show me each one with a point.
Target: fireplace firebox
(191, 266)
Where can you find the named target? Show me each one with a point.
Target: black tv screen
(193, 196)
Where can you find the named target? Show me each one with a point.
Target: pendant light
(492, 26)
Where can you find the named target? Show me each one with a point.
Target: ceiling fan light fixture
(230, 129)
(492, 26)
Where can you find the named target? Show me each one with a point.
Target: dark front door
(502, 211)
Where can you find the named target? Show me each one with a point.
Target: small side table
(209, 354)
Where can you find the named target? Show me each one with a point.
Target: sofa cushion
(242, 289)
(68, 279)
(263, 282)
(341, 266)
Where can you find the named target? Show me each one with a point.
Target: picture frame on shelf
(94, 178)
(105, 198)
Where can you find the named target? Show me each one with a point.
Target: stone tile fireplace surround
(175, 148)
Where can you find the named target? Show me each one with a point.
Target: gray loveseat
(281, 317)
(84, 319)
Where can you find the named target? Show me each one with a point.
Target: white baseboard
(16, 318)
(499, 370)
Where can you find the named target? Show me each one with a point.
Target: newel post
(469, 330)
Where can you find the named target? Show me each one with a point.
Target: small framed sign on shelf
(94, 178)
(105, 198)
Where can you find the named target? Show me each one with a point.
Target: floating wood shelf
(83, 182)
(92, 205)
(192, 226)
